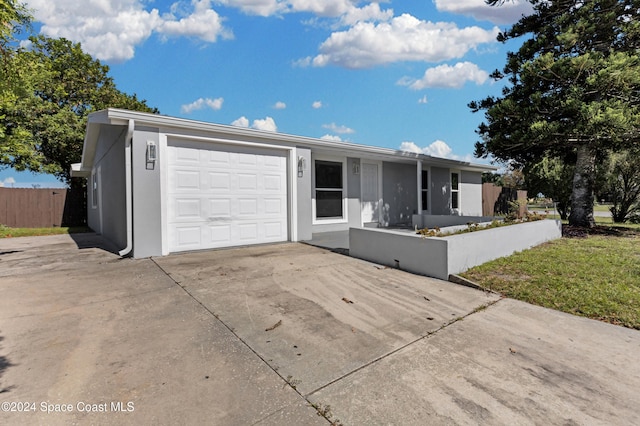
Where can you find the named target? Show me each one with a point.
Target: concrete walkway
(279, 334)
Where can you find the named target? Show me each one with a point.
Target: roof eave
(115, 116)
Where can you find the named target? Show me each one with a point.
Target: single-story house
(159, 185)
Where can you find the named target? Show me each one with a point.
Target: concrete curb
(457, 279)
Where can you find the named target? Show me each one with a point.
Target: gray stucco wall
(147, 218)
(471, 193)
(399, 192)
(305, 227)
(109, 216)
(440, 191)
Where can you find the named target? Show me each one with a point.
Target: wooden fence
(42, 208)
(495, 200)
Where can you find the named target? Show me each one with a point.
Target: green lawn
(596, 208)
(6, 232)
(596, 277)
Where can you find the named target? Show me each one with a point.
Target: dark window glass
(454, 200)
(454, 181)
(425, 190)
(328, 189)
(328, 174)
(328, 204)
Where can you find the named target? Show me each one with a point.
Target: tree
(574, 91)
(551, 177)
(622, 183)
(13, 16)
(494, 178)
(55, 85)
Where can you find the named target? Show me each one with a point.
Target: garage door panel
(247, 181)
(247, 159)
(274, 206)
(219, 235)
(217, 157)
(272, 182)
(187, 180)
(248, 232)
(219, 180)
(273, 229)
(188, 237)
(248, 207)
(188, 209)
(228, 196)
(219, 208)
(186, 156)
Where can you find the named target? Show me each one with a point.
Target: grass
(597, 277)
(7, 232)
(596, 207)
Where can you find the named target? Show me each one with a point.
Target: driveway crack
(287, 381)
(388, 354)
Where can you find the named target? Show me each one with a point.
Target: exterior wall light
(302, 165)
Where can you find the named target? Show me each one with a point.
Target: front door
(370, 193)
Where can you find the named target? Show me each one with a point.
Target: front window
(455, 190)
(94, 189)
(329, 187)
(425, 190)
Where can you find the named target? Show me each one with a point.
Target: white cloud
(447, 76)
(347, 10)
(111, 30)
(280, 105)
(332, 138)
(338, 129)
(370, 12)
(10, 181)
(204, 23)
(404, 38)
(436, 149)
(506, 13)
(241, 122)
(316, 105)
(257, 7)
(423, 100)
(267, 124)
(214, 104)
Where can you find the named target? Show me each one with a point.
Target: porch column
(419, 177)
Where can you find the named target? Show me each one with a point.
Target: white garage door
(223, 196)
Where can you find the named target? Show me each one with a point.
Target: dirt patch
(569, 231)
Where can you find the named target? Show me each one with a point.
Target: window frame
(94, 189)
(425, 189)
(329, 220)
(457, 191)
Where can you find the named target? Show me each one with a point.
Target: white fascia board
(121, 117)
(78, 171)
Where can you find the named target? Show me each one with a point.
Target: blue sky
(396, 74)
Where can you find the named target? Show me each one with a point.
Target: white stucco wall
(471, 193)
(440, 257)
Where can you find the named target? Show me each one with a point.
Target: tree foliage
(573, 90)
(622, 183)
(13, 17)
(49, 88)
(551, 177)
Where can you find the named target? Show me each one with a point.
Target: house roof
(120, 117)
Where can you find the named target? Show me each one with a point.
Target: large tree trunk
(582, 192)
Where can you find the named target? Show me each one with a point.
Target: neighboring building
(158, 185)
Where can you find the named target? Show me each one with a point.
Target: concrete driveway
(278, 334)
